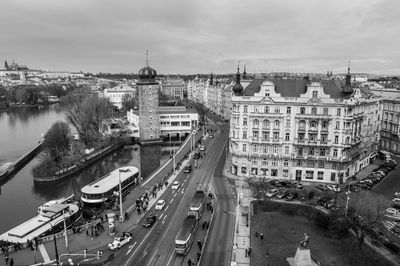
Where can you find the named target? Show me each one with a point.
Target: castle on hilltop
(14, 66)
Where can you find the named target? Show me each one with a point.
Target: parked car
(283, 193)
(273, 182)
(292, 195)
(272, 193)
(323, 200)
(334, 188)
(160, 205)
(392, 211)
(175, 185)
(150, 220)
(286, 183)
(397, 194)
(321, 187)
(329, 204)
(202, 148)
(303, 195)
(299, 185)
(120, 241)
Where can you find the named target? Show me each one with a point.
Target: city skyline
(201, 37)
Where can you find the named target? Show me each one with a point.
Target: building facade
(173, 87)
(390, 140)
(297, 129)
(117, 94)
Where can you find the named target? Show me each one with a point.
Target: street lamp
(348, 196)
(121, 216)
(65, 233)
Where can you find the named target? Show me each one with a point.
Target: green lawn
(283, 232)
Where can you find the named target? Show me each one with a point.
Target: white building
(117, 93)
(173, 87)
(175, 121)
(297, 129)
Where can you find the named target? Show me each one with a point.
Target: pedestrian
(198, 256)
(249, 252)
(189, 262)
(207, 224)
(11, 262)
(245, 252)
(261, 236)
(199, 244)
(256, 234)
(203, 225)
(6, 258)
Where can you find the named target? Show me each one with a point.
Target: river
(20, 130)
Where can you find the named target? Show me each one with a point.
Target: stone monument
(303, 254)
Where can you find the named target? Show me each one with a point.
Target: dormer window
(315, 94)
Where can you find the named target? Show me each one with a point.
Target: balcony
(301, 128)
(314, 116)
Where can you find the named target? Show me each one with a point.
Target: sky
(202, 36)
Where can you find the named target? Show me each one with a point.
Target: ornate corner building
(321, 130)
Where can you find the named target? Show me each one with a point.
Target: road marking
(145, 250)
(127, 262)
(163, 221)
(161, 215)
(43, 251)
(131, 247)
(166, 208)
(171, 201)
(174, 195)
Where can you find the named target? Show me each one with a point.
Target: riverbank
(65, 173)
(17, 106)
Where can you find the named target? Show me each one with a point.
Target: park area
(283, 230)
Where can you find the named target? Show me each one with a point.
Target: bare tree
(257, 183)
(57, 141)
(129, 102)
(366, 210)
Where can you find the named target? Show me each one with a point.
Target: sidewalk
(79, 241)
(241, 240)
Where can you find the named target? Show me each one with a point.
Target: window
(276, 123)
(255, 122)
(310, 163)
(275, 163)
(302, 125)
(244, 121)
(264, 171)
(321, 164)
(255, 109)
(336, 139)
(302, 110)
(277, 110)
(299, 163)
(254, 162)
(313, 124)
(347, 140)
(254, 148)
(266, 135)
(286, 163)
(300, 151)
(255, 134)
(288, 110)
(266, 109)
(311, 151)
(325, 111)
(287, 136)
(245, 109)
(325, 125)
(274, 172)
(275, 149)
(244, 148)
(333, 176)
(338, 112)
(315, 94)
(314, 111)
(285, 173)
(266, 123)
(288, 123)
(265, 148)
(286, 149)
(245, 134)
(244, 170)
(276, 135)
(320, 175)
(322, 151)
(337, 126)
(335, 153)
(301, 136)
(309, 174)
(312, 137)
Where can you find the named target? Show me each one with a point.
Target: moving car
(334, 188)
(298, 185)
(187, 169)
(202, 148)
(160, 205)
(272, 193)
(175, 185)
(150, 220)
(120, 241)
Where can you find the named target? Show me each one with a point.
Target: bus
(97, 193)
(184, 238)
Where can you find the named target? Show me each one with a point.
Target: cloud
(201, 36)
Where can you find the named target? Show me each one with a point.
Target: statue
(304, 243)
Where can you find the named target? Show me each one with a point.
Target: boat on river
(47, 221)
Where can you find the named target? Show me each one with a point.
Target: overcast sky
(202, 36)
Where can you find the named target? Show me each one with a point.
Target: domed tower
(347, 89)
(148, 94)
(244, 72)
(237, 88)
